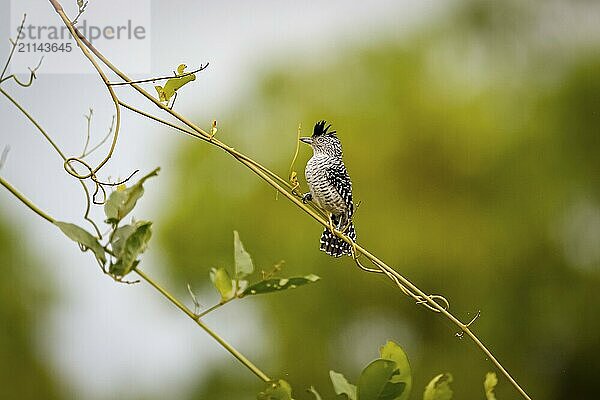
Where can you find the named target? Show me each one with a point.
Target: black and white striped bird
(330, 187)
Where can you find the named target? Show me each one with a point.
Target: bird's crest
(321, 128)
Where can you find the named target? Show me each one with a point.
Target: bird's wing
(339, 178)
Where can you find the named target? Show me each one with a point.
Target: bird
(330, 188)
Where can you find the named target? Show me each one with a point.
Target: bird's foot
(306, 197)
(331, 225)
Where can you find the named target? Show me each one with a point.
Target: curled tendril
(120, 182)
(440, 300)
(380, 269)
(99, 186)
(99, 189)
(355, 256)
(71, 170)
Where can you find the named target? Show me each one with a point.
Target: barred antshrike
(330, 188)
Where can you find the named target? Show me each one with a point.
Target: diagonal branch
(202, 325)
(232, 350)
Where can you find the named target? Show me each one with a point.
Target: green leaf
(174, 84)
(243, 261)
(315, 393)
(489, 385)
(342, 386)
(84, 238)
(123, 200)
(439, 388)
(276, 390)
(278, 284)
(378, 381)
(222, 282)
(392, 351)
(131, 242)
(120, 268)
(120, 236)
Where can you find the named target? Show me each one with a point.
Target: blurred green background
(23, 375)
(473, 146)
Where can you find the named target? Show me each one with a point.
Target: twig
(88, 118)
(32, 71)
(162, 78)
(110, 131)
(14, 46)
(215, 307)
(32, 75)
(82, 6)
(292, 174)
(194, 299)
(206, 139)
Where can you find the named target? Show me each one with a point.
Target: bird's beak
(307, 140)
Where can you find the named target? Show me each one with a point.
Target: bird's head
(323, 140)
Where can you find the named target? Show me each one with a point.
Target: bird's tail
(333, 245)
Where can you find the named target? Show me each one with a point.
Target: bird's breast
(323, 190)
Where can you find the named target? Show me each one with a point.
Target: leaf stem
(215, 307)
